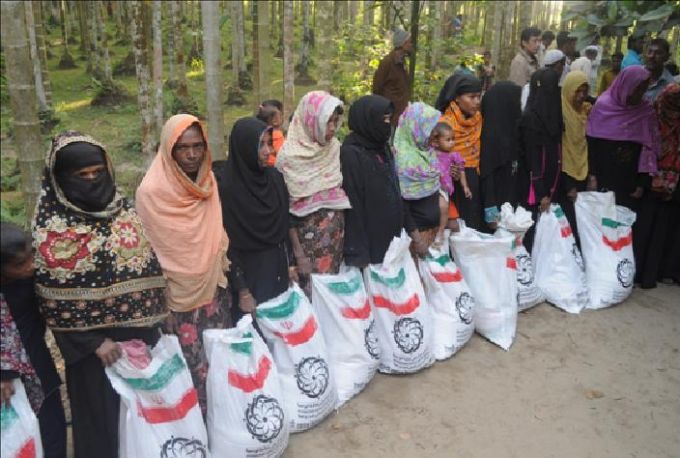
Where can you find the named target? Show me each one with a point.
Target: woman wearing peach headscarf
(180, 208)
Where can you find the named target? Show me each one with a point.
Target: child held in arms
(450, 164)
(271, 112)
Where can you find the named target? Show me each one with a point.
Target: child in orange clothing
(449, 163)
(271, 112)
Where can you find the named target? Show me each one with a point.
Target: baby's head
(16, 253)
(441, 137)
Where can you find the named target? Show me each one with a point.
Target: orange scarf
(183, 221)
(466, 133)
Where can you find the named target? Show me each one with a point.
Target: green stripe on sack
(558, 212)
(8, 416)
(392, 282)
(243, 347)
(441, 260)
(610, 223)
(161, 378)
(282, 310)
(345, 287)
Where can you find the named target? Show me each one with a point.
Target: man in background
(567, 45)
(524, 64)
(610, 75)
(546, 40)
(633, 56)
(656, 56)
(391, 79)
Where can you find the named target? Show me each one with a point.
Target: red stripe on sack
(249, 383)
(448, 277)
(27, 450)
(616, 245)
(155, 415)
(398, 309)
(360, 313)
(510, 263)
(301, 336)
(565, 232)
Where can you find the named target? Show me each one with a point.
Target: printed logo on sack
(371, 341)
(180, 447)
(576, 253)
(525, 270)
(312, 376)
(264, 418)
(625, 272)
(464, 305)
(408, 334)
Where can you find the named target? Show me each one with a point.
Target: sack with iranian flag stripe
(516, 223)
(607, 244)
(341, 303)
(246, 416)
(403, 320)
(293, 335)
(20, 429)
(159, 411)
(450, 300)
(558, 264)
(489, 268)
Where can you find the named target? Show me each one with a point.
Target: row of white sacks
(396, 317)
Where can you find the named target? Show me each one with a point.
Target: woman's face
(469, 103)
(265, 149)
(635, 97)
(189, 150)
(580, 96)
(332, 126)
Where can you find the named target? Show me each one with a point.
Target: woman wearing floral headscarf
(418, 171)
(310, 163)
(97, 279)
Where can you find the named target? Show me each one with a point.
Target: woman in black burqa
(370, 180)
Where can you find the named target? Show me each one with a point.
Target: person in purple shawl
(623, 138)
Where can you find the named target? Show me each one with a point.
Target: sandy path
(601, 384)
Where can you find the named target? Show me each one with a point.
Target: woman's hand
(246, 301)
(572, 194)
(456, 170)
(108, 352)
(637, 193)
(545, 204)
(293, 276)
(592, 183)
(6, 390)
(304, 265)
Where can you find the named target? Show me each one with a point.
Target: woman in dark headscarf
(371, 183)
(459, 102)
(97, 279)
(500, 148)
(255, 215)
(541, 138)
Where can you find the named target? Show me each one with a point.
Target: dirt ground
(604, 383)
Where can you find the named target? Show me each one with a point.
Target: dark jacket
(391, 80)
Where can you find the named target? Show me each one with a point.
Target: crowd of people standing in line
(204, 243)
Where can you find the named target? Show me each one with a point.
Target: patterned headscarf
(93, 269)
(308, 162)
(416, 162)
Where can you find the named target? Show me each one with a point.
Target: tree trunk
(22, 98)
(324, 64)
(288, 32)
(180, 66)
(415, 19)
(496, 30)
(35, 60)
(236, 56)
(302, 68)
(213, 77)
(262, 48)
(435, 53)
(140, 50)
(103, 47)
(170, 51)
(42, 52)
(82, 27)
(157, 65)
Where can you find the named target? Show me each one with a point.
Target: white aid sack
(345, 315)
(159, 411)
(607, 245)
(489, 268)
(403, 322)
(293, 335)
(516, 223)
(246, 417)
(450, 301)
(20, 429)
(558, 264)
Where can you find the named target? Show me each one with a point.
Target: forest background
(117, 69)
